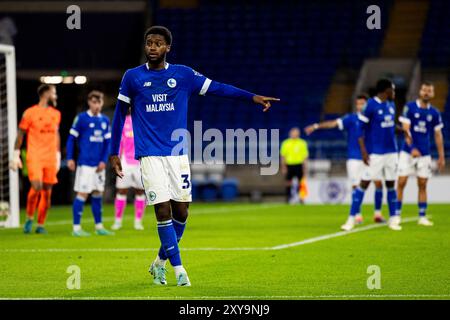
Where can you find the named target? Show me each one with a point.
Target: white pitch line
(222, 209)
(121, 249)
(350, 296)
(337, 234)
(279, 247)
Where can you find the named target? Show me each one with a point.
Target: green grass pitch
(231, 251)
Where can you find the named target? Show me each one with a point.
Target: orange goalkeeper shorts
(40, 171)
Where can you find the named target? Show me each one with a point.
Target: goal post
(9, 180)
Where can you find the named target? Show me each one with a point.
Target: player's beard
(51, 103)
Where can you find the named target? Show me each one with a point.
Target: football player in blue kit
(91, 133)
(158, 94)
(379, 151)
(355, 165)
(423, 121)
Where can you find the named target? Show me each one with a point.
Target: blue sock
(392, 201)
(77, 210)
(378, 199)
(399, 207)
(97, 208)
(168, 238)
(179, 229)
(422, 209)
(357, 199)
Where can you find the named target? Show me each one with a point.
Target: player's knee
(36, 185)
(122, 192)
(82, 195)
(180, 211)
(390, 184)
(162, 211)
(378, 184)
(139, 192)
(422, 184)
(47, 186)
(364, 184)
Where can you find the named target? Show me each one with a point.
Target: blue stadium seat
(293, 57)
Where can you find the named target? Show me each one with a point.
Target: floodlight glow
(80, 79)
(51, 79)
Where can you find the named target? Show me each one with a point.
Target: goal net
(9, 180)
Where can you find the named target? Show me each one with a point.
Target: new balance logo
(147, 84)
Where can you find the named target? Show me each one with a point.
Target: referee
(294, 154)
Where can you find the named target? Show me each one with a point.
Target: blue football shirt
(159, 105)
(92, 134)
(351, 123)
(423, 121)
(379, 128)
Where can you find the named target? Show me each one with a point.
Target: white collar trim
(377, 99)
(92, 115)
(418, 104)
(166, 65)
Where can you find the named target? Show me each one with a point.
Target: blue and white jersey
(351, 123)
(379, 128)
(423, 122)
(159, 105)
(92, 134)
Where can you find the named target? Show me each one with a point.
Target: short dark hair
(362, 96)
(383, 84)
(43, 88)
(163, 31)
(95, 94)
(427, 83)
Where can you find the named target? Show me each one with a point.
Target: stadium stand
(300, 47)
(434, 55)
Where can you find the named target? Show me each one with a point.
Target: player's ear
(168, 48)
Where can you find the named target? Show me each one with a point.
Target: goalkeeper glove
(16, 162)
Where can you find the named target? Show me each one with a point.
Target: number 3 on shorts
(186, 182)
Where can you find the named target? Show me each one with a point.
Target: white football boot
(394, 223)
(117, 225)
(349, 224)
(138, 225)
(423, 221)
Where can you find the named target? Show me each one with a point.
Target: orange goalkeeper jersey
(41, 125)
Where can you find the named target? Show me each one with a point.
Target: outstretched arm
(228, 91)
(330, 124)
(264, 101)
(439, 139)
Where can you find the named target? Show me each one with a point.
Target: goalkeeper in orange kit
(40, 123)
